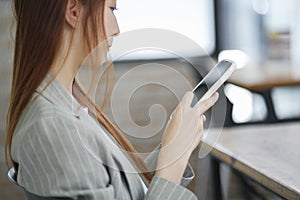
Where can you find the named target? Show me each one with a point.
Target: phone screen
(209, 80)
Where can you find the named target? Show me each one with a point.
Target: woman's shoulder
(40, 109)
(39, 118)
(44, 123)
(49, 122)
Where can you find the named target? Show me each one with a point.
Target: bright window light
(239, 57)
(261, 6)
(242, 103)
(193, 19)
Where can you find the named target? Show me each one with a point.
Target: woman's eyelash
(113, 8)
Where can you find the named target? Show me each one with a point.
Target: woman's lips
(110, 42)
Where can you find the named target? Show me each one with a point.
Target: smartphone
(213, 80)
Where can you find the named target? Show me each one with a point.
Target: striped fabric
(63, 152)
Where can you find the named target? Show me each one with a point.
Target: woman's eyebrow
(112, 3)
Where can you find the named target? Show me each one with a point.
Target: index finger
(203, 106)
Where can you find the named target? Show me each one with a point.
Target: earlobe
(72, 14)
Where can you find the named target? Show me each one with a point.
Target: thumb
(187, 99)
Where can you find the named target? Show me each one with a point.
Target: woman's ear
(72, 14)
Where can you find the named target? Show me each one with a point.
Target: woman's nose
(116, 31)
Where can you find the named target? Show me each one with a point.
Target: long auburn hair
(39, 28)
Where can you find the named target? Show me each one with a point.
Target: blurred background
(262, 36)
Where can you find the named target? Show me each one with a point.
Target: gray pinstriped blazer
(63, 152)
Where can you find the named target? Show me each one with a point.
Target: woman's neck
(66, 77)
(68, 61)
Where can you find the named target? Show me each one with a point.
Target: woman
(60, 151)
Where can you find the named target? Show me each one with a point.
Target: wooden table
(267, 154)
(263, 79)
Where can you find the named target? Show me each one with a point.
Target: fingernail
(204, 118)
(215, 97)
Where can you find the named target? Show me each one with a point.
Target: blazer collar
(57, 94)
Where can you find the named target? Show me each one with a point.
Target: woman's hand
(182, 135)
